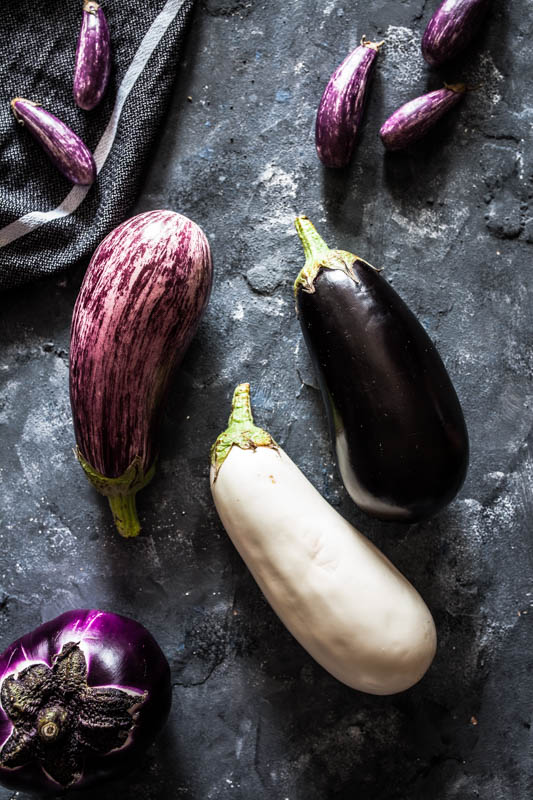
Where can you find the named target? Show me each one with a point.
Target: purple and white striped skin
(412, 121)
(62, 146)
(140, 303)
(342, 105)
(451, 28)
(93, 57)
(81, 697)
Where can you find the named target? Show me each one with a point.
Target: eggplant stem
(120, 491)
(125, 515)
(315, 248)
(14, 108)
(241, 407)
(373, 45)
(241, 430)
(459, 88)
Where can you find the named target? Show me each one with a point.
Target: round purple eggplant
(140, 303)
(395, 420)
(93, 57)
(341, 107)
(451, 28)
(81, 697)
(414, 119)
(62, 146)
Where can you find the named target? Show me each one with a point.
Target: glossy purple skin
(412, 121)
(140, 303)
(93, 57)
(62, 146)
(341, 107)
(120, 652)
(451, 28)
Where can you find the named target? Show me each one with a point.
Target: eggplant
(451, 28)
(414, 119)
(336, 593)
(341, 107)
(93, 57)
(81, 698)
(62, 146)
(396, 423)
(139, 305)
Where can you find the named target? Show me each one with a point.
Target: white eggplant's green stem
(120, 492)
(241, 430)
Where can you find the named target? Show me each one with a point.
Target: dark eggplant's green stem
(125, 515)
(319, 256)
(241, 430)
(316, 252)
(313, 244)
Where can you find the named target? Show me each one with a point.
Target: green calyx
(241, 430)
(120, 492)
(319, 256)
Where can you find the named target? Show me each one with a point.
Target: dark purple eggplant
(93, 57)
(139, 305)
(414, 119)
(342, 105)
(451, 28)
(62, 146)
(395, 420)
(81, 698)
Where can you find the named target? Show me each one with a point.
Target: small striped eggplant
(62, 146)
(451, 28)
(93, 57)
(414, 119)
(140, 303)
(341, 107)
(395, 420)
(81, 698)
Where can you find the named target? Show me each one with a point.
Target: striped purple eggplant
(451, 28)
(93, 57)
(341, 107)
(66, 150)
(412, 121)
(138, 308)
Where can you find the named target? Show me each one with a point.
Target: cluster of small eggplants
(340, 111)
(91, 73)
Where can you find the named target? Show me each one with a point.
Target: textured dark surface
(253, 716)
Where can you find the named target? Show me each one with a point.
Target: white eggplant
(338, 595)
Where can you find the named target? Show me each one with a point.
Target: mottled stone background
(253, 715)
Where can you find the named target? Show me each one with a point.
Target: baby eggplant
(395, 420)
(139, 305)
(93, 57)
(62, 146)
(342, 104)
(414, 119)
(450, 29)
(81, 697)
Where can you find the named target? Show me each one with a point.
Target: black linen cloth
(47, 224)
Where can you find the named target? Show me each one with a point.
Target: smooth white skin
(338, 595)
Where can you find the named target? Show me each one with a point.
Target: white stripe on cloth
(34, 219)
